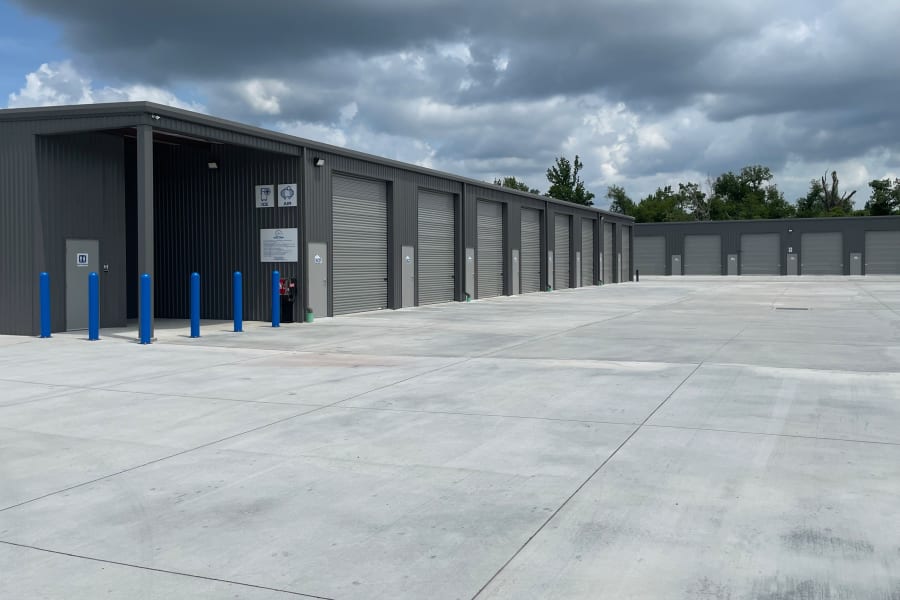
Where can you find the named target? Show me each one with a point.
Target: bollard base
(310, 317)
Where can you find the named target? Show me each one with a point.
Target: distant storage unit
(833, 246)
(133, 188)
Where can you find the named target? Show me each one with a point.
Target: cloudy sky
(647, 92)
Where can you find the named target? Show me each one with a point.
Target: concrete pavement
(701, 438)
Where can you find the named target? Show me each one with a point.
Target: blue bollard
(195, 305)
(276, 299)
(45, 304)
(238, 291)
(93, 307)
(145, 309)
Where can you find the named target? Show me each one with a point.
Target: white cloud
(55, 84)
(262, 95)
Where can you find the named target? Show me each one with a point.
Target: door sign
(81, 259)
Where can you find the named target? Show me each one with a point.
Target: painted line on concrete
(166, 571)
(583, 484)
(784, 435)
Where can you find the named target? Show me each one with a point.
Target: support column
(145, 210)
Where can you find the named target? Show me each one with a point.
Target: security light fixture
(213, 164)
(319, 162)
(155, 117)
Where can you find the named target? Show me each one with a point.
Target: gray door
(822, 253)
(562, 267)
(530, 260)
(792, 266)
(490, 249)
(578, 268)
(550, 268)
(702, 255)
(515, 272)
(676, 265)
(470, 272)
(609, 258)
(760, 254)
(855, 263)
(650, 254)
(317, 267)
(437, 248)
(626, 254)
(407, 277)
(360, 257)
(732, 263)
(82, 257)
(587, 252)
(883, 253)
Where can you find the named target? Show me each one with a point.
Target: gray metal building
(832, 246)
(131, 188)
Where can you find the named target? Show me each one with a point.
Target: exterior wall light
(319, 162)
(213, 164)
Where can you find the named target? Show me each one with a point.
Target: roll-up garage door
(821, 253)
(587, 252)
(626, 254)
(436, 248)
(360, 265)
(650, 254)
(883, 253)
(761, 254)
(530, 260)
(609, 259)
(561, 267)
(490, 249)
(702, 255)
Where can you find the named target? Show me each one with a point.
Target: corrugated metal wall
(19, 244)
(207, 221)
(82, 196)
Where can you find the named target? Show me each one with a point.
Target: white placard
(81, 259)
(287, 194)
(265, 196)
(278, 245)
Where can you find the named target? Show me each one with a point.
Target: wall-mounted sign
(265, 196)
(278, 245)
(81, 259)
(287, 194)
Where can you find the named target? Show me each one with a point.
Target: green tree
(513, 183)
(565, 184)
(694, 201)
(619, 201)
(750, 194)
(664, 205)
(885, 198)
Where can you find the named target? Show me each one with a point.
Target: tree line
(750, 193)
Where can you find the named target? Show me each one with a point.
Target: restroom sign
(81, 259)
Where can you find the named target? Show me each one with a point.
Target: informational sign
(317, 259)
(265, 196)
(278, 245)
(287, 194)
(81, 259)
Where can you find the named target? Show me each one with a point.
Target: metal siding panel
(702, 255)
(587, 252)
(650, 255)
(19, 242)
(760, 254)
(561, 250)
(530, 259)
(609, 257)
(490, 249)
(822, 253)
(360, 255)
(882, 253)
(626, 253)
(436, 247)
